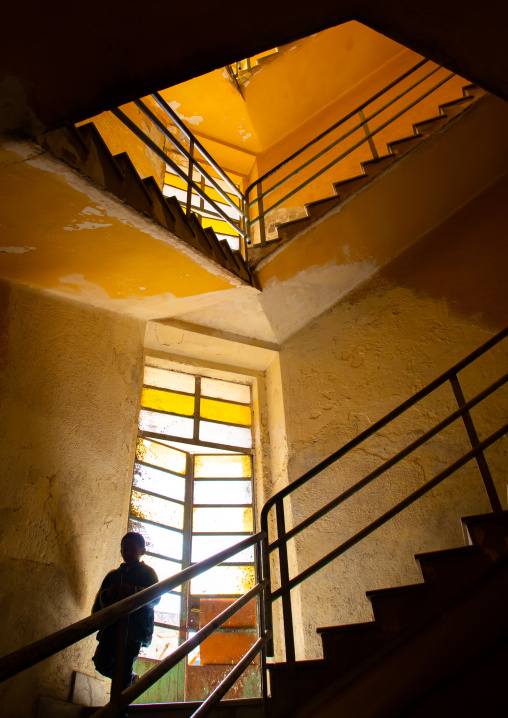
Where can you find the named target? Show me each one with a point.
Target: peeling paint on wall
(16, 250)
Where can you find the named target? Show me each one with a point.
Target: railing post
(118, 681)
(368, 135)
(261, 213)
(190, 175)
(287, 613)
(474, 440)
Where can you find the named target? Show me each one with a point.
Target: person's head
(132, 547)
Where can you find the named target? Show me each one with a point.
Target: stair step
(452, 569)
(404, 145)
(374, 167)
(132, 190)
(472, 89)
(161, 211)
(397, 608)
(489, 532)
(235, 708)
(455, 107)
(350, 644)
(321, 206)
(291, 686)
(346, 187)
(425, 127)
(288, 230)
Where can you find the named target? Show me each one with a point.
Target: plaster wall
(414, 319)
(69, 381)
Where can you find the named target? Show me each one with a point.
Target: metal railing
(215, 196)
(477, 453)
(119, 612)
(199, 161)
(38, 651)
(337, 150)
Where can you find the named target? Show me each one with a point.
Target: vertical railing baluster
(287, 613)
(474, 440)
(190, 175)
(201, 200)
(370, 141)
(118, 680)
(261, 214)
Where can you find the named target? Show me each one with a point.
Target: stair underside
(84, 150)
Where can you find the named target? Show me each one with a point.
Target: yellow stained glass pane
(224, 411)
(168, 401)
(167, 379)
(162, 511)
(222, 519)
(222, 466)
(225, 390)
(161, 455)
(224, 580)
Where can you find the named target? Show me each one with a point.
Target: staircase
(424, 638)
(84, 149)
(278, 234)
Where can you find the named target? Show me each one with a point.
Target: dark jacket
(140, 576)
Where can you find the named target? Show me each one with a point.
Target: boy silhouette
(131, 576)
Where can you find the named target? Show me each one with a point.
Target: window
(192, 497)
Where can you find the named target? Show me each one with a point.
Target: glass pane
(168, 401)
(223, 434)
(167, 379)
(222, 492)
(168, 609)
(163, 568)
(164, 642)
(206, 546)
(224, 580)
(159, 482)
(227, 466)
(161, 455)
(214, 519)
(224, 411)
(166, 424)
(158, 539)
(225, 390)
(163, 511)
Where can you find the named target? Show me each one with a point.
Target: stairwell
(84, 149)
(279, 234)
(438, 648)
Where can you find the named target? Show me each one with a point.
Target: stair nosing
(393, 590)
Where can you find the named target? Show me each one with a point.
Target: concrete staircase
(425, 638)
(369, 170)
(437, 648)
(84, 149)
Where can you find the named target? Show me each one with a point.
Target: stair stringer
(385, 216)
(383, 669)
(85, 151)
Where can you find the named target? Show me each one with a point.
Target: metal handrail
(176, 169)
(477, 452)
(367, 139)
(174, 117)
(350, 132)
(335, 125)
(374, 428)
(148, 679)
(32, 654)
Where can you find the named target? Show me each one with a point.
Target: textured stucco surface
(69, 382)
(416, 318)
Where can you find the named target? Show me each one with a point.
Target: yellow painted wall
(62, 234)
(417, 317)
(419, 193)
(119, 138)
(70, 379)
